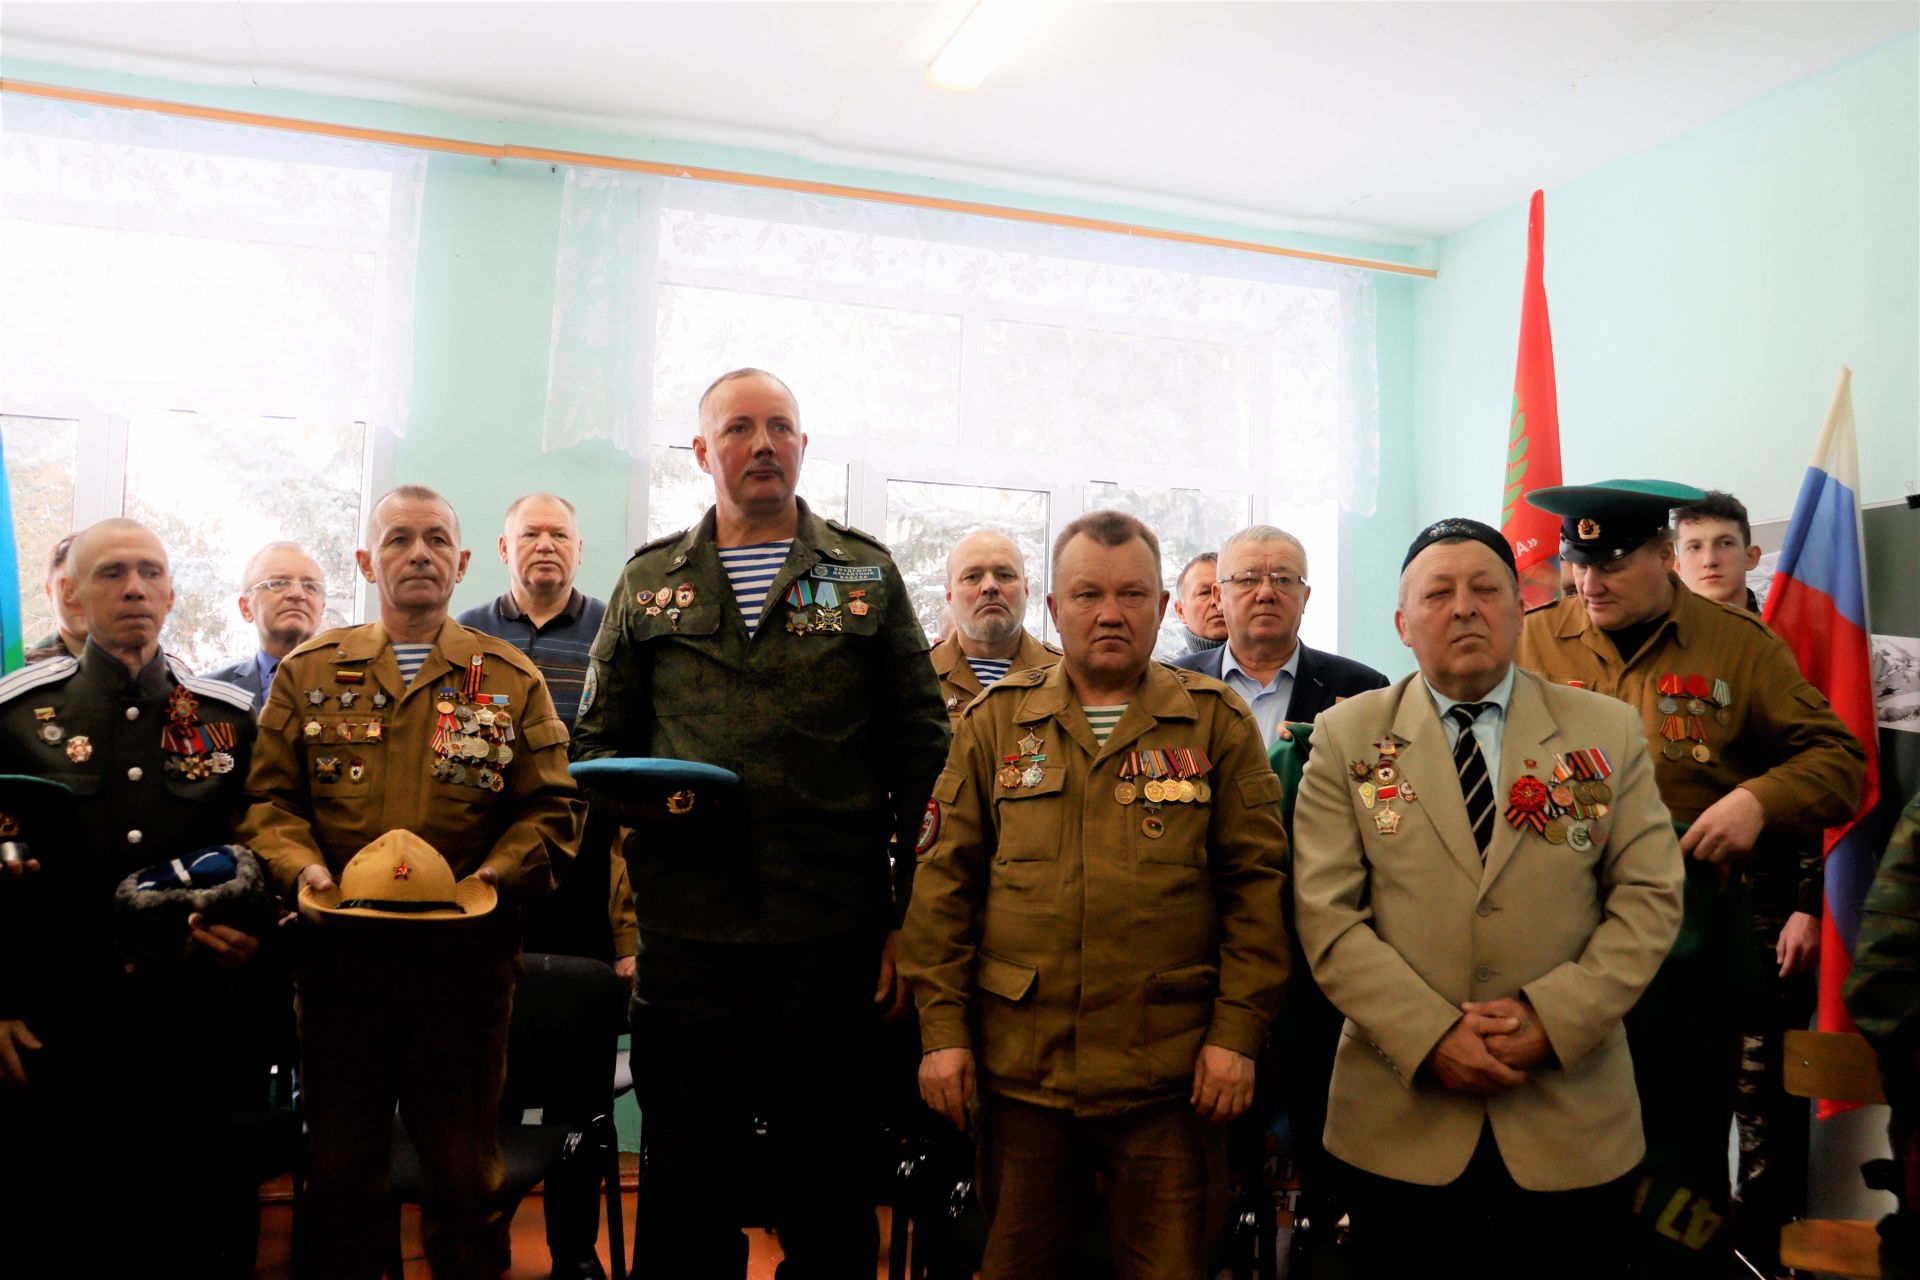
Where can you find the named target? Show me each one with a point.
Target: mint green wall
(484, 295)
(1704, 295)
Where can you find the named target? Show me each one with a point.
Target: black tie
(1475, 787)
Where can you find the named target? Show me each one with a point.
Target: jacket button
(1485, 908)
(1482, 974)
(134, 837)
(135, 774)
(133, 713)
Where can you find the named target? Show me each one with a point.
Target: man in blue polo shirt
(543, 616)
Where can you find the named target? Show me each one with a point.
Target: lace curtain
(1113, 342)
(154, 263)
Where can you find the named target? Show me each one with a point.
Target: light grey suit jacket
(1402, 928)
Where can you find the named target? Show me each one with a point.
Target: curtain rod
(587, 160)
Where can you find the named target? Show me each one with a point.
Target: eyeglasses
(274, 586)
(1244, 583)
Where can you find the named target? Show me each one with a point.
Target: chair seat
(529, 1150)
(1831, 1247)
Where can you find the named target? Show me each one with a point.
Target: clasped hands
(1490, 1049)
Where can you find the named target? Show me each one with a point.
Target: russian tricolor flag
(1818, 605)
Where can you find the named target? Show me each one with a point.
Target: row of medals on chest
(191, 749)
(1563, 810)
(1680, 731)
(1174, 775)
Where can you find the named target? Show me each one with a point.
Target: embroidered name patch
(849, 572)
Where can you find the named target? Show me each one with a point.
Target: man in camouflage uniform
(783, 647)
(1883, 995)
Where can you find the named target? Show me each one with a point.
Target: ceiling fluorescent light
(992, 30)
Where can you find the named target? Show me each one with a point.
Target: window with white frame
(955, 373)
(207, 330)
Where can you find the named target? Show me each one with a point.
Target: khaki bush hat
(403, 879)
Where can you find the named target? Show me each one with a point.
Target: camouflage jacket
(829, 712)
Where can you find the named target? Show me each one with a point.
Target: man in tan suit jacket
(1486, 880)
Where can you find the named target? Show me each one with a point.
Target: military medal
(855, 605)
(683, 595)
(953, 702)
(222, 761)
(643, 597)
(1555, 831)
(347, 698)
(374, 730)
(1386, 821)
(311, 729)
(1723, 699)
(1033, 777)
(79, 749)
(1702, 753)
(380, 700)
(1527, 802)
(1673, 751)
(356, 769)
(1579, 837)
(1124, 793)
(326, 769)
(1022, 769)
(1152, 828)
(43, 713)
(1030, 743)
(1008, 776)
(51, 734)
(316, 697)
(1368, 794)
(1360, 770)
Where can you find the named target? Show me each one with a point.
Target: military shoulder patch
(929, 827)
(587, 690)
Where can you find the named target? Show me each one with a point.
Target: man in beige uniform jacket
(987, 598)
(1096, 922)
(470, 755)
(1484, 926)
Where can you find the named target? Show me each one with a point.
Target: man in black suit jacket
(1262, 592)
(286, 600)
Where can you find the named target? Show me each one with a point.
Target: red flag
(1533, 439)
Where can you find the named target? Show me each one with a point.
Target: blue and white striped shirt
(751, 570)
(410, 657)
(988, 670)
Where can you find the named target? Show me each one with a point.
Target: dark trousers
(426, 1030)
(1166, 1189)
(1484, 1224)
(1773, 1124)
(751, 1065)
(128, 1111)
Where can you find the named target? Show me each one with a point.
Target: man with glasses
(285, 603)
(1262, 592)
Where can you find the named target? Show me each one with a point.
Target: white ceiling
(1388, 121)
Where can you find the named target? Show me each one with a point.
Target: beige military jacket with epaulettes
(1083, 948)
(1760, 724)
(960, 686)
(322, 787)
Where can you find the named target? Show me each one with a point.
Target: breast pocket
(1030, 819)
(1026, 863)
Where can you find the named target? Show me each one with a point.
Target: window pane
(883, 373)
(925, 520)
(217, 489)
(679, 492)
(1052, 389)
(42, 454)
(1187, 522)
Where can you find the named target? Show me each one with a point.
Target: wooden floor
(530, 1261)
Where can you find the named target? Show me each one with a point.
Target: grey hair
(1267, 533)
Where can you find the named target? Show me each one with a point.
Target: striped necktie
(1475, 786)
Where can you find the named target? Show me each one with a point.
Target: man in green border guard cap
(1741, 743)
